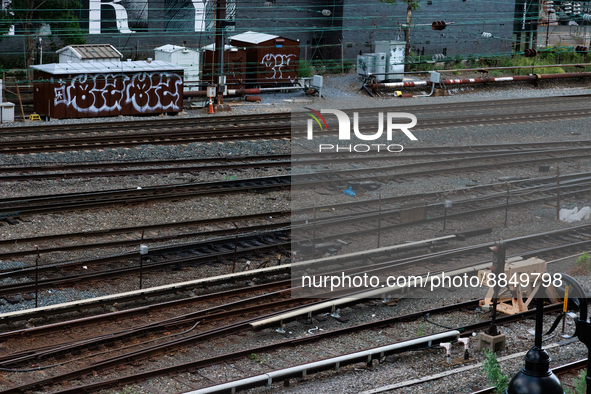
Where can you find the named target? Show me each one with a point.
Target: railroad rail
(577, 237)
(90, 170)
(114, 127)
(254, 133)
(200, 252)
(193, 365)
(19, 206)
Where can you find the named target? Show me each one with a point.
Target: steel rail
(232, 356)
(264, 132)
(284, 161)
(339, 221)
(560, 370)
(385, 200)
(62, 202)
(282, 116)
(287, 267)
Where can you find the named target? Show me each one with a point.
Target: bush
(305, 69)
(491, 368)
(579, 383)
(582, 265)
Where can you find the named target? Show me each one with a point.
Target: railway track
(262, 240)
(338, 179)
(25, 132)
(366, 206)
(236, 120)
(89, 170)
(547, 244)
(571, 239)
(293, 344)
(254, 133)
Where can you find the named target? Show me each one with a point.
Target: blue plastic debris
(350, 192)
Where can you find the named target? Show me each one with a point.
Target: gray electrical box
(394, 62)
(317, 81)
(435, 76)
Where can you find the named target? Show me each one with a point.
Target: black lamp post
(536, 377)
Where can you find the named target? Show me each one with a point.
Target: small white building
(181, 56)
(89, 53)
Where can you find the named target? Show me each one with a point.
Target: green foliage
(579, 383)
(414, 3)
(305, 69)
(490, 366)
(421, 329)
(349, 65)
(332, 66)
(29, 16)
(583, 263)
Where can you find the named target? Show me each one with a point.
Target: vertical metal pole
(20, 101)
(235, 247)
(507, 206)
(141, 262)
(37, 278)
(314, 232)
(342, 57)
(539, 322)
(557, 193)
(444, 216)
(379, 219)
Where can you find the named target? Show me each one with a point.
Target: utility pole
(220, 19)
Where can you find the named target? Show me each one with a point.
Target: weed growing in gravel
(491, 368)
(582, 265)
(421, 329)
(579, 383)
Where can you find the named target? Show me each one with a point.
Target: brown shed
(234, 65)
(84, 90)
(270, 59)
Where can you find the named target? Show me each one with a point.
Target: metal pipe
(301, 370)
(481, 80)
(231, 92)
(282, 88)
(216, 279)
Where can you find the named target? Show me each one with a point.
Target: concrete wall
(381, 22)
(159, 22)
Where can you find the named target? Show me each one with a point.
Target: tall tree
(411, 5)
(28, 17)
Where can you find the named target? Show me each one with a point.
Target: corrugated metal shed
(90, 53)
(80, 90)
(106, 67)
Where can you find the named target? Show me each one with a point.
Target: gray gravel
(341, 92)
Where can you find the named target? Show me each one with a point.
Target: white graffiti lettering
(276, 63)
(146, 92)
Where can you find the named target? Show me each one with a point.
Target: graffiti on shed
(146, 92)
(275, 62)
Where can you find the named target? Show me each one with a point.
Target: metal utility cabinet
(394, 66)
